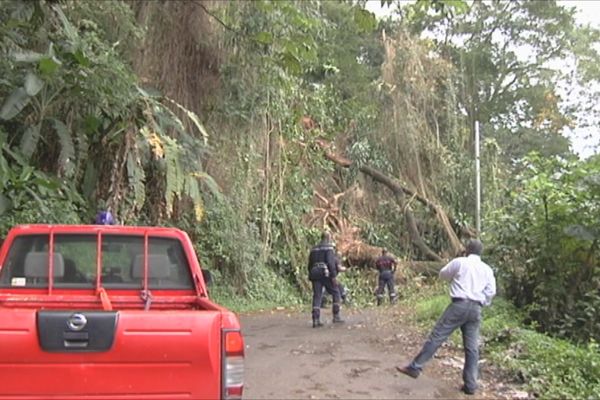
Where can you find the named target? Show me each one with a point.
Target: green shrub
(548, 245)
(552, 368)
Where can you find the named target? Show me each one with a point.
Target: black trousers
(386, 279)
(332, 289)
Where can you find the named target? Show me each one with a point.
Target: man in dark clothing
(322, 272)
(341, 288)
(386, 265)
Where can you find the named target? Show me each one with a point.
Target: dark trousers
(465, 315)
(386, 279)
(332, 289)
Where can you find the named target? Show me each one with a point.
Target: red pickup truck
(112, 312)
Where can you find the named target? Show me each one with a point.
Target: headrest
(36, 265)
(158, 266)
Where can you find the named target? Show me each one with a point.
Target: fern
(210, 183)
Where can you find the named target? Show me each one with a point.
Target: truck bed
(155, 355)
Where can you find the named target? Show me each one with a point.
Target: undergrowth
(549, 368)
(264, 291)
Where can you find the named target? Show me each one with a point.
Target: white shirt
(470, 278)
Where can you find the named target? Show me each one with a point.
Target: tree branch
(203, 7)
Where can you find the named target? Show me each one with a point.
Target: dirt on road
(287, 359)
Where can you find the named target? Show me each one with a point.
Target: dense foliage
(211, 116)
(547, 244)
(78, 129)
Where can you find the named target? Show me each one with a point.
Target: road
(287, 359)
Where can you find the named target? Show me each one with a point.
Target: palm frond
(193, 117)
(192, 189)
(175, 175)
(66, 159)
(30, 140)
(136, 178)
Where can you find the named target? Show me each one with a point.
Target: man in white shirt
(472, 286)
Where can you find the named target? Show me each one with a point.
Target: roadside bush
(551, 368)
(549, 249)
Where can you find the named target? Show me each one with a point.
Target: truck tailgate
(154, 355)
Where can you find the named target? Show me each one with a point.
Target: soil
(288, 359)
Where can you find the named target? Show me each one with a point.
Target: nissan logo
(77, 322)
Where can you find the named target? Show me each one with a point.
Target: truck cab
(112, 312)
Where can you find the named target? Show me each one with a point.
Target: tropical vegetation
(255, 125)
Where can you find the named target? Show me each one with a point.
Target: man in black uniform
(322, 272)
(341, 288)
(386, 265)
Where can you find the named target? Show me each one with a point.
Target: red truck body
(74, 325)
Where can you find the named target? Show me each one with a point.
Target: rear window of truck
(75, 256)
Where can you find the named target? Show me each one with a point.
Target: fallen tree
(401, 193)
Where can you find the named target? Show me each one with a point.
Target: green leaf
(42, 180)
(264, 37)
(365, 20)
(291, 63)
(17, 100)
(16, 156)
(459, 6)
(91, 124)
(30, 140)
(81, 58)
(33, 84)
(48, 65)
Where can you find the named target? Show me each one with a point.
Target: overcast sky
(585, 142)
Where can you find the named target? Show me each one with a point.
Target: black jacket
(324, 253)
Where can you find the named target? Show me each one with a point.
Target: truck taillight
(233, 364)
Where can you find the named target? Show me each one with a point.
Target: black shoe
(406, 370)
(338, 320)
(464, 389)
(317, 323)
